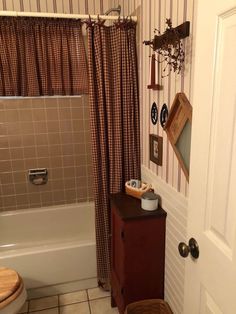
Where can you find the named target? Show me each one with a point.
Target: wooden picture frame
(178, 129)
(155, 149)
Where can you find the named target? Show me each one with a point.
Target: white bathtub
(52, 248)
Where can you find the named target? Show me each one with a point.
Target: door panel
(207, 304)
(211, 280)
(219, 212)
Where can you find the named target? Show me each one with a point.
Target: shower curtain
(114, 115)
(42, 57)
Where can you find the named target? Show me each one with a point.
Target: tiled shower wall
(50, 133)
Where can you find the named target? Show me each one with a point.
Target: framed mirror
(178, 129)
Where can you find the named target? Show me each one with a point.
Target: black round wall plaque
(163, 115)
(154, 113)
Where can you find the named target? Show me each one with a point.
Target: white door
(211, 279)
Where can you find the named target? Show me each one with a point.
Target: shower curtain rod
(64, 15)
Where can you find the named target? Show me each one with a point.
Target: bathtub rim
(16, 212)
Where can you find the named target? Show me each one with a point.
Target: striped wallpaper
(56, 6)
(153, 14)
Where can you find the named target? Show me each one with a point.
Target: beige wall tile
(25, 115)
(6, 177)
(56, 173)
(78, 137)
(22, 199)
(69, 183)
(67, 149)
(37, 103)
(42, 151)
(77, 113)
(30, 163)
(9, 200)
(55, 150)
(40, 126)
(19, 176)
(56, 161)
(76, 102)
(41, 139)
(78, 125)
(54, 138)
(13, 128)
(46, 197)
(18, 165)
(21, 188)
(5, 166)
(17, 153)
(53, 126)
(3, 129)
(28, 140)
(27, 128)
(64, 113)
(70, 195)
(65, 126)
(52, 114)
(8, 189)
(51, 102)
(39, 114)
(15, 140)
(43, 132)
(68, 161)
(59, 195)
(30, 152)
(11, 115)
(35, 198)
(79, 148)
(4, 154)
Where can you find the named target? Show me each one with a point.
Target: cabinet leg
(113, 302)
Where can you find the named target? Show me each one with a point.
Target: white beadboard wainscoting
(175, 204)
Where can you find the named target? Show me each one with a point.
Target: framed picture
(178, 129)
(156, 144)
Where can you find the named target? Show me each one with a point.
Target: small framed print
(155, 145)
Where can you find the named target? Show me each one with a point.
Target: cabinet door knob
(192, 247)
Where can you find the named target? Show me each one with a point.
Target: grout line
(88, 301)
(85, 142)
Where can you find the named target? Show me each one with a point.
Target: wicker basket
(137, 192)
(153, 306)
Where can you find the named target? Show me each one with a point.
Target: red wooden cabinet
(138, 251)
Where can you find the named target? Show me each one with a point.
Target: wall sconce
(170, 46)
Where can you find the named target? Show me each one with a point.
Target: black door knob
(192, 247)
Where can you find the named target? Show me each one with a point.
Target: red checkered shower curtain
(114, 110)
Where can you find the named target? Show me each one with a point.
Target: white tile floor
(91, 301)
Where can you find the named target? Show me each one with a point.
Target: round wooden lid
(9, 282)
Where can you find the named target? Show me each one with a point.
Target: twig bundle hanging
(172, 51)
(170, 47)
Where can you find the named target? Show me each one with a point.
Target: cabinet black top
(129, 207)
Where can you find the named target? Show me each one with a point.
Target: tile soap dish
(137, 192)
